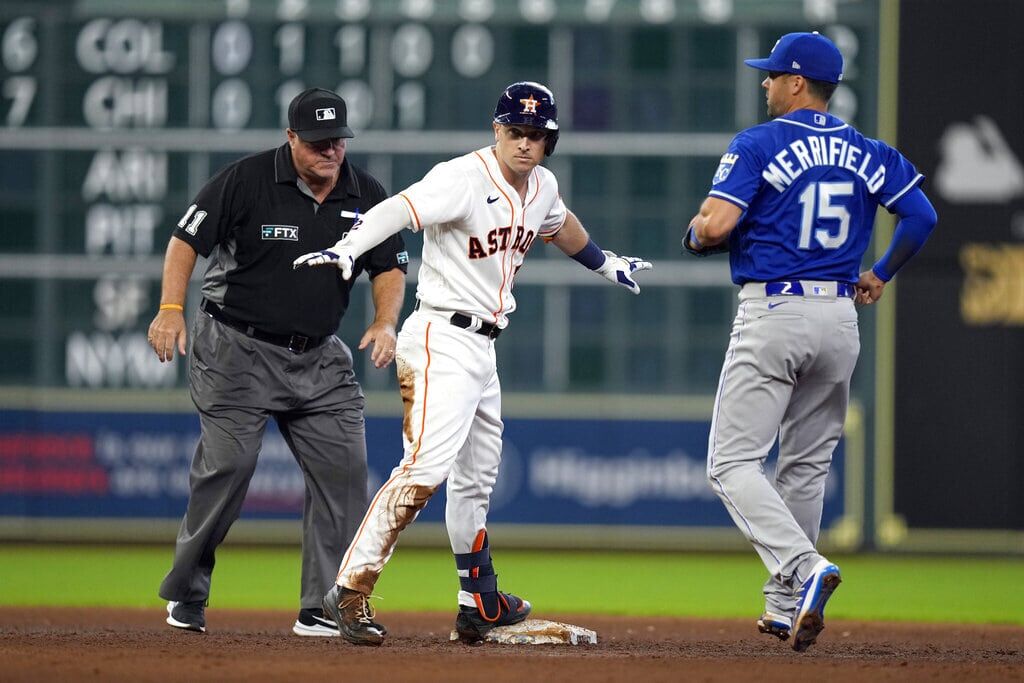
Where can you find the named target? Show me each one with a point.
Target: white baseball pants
(451, 429)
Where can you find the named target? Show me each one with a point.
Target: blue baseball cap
(811, 55)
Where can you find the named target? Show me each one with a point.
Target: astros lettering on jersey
(477, 231)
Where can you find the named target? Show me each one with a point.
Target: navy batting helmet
(529, 104)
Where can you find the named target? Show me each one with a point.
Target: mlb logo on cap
(317, 114)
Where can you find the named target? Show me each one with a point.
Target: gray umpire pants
(787, 374)
(237, 383)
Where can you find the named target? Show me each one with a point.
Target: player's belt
(489, 330)
(466, 322)
(296, 343)
(797, 288)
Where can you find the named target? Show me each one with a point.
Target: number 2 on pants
(825, 192)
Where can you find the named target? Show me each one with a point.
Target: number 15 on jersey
(819, 203)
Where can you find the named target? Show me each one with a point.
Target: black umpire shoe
(472, 626)
(352, 612)
(313, 622)
(189, 616)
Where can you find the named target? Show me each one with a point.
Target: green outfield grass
(921, 588)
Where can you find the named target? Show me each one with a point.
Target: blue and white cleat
(810, 610)
(775, 625)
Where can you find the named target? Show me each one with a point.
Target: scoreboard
(114, 113)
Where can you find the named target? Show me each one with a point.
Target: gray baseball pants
(786, 374)
(237, 383)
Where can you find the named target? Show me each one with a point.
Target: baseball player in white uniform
(480, 213)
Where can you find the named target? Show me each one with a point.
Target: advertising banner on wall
(554, 472)
(960, 303)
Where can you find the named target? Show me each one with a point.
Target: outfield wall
(132, 106)
(573, 474)
(949, 390)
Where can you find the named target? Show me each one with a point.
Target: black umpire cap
(317, 114)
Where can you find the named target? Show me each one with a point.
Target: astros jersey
(809, 185)
(476, 232)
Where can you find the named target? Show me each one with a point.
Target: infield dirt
(91, 644)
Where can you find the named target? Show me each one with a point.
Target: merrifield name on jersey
(822, 150)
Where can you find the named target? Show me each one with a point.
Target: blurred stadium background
(114, 113)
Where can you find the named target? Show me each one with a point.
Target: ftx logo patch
(289, 233)
(725, 167)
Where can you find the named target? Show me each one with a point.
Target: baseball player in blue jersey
(793, 202)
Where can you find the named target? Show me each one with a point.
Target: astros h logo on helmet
(529, 105)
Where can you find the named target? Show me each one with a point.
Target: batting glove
(341, 256)
(620, 269)
(693, 245)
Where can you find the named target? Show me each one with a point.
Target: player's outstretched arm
(574, 241)
(379, 223)
(341, 255)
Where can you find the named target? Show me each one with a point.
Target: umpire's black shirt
(255, 217)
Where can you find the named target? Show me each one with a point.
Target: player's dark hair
(823, 90)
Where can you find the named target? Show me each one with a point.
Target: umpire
(263, 345)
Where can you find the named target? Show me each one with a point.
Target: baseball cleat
(352, 612)
(188, 616)
(774, 625)
(312, 622)
(472, 626)
(810, 611)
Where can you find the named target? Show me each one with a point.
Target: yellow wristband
(172, 307)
